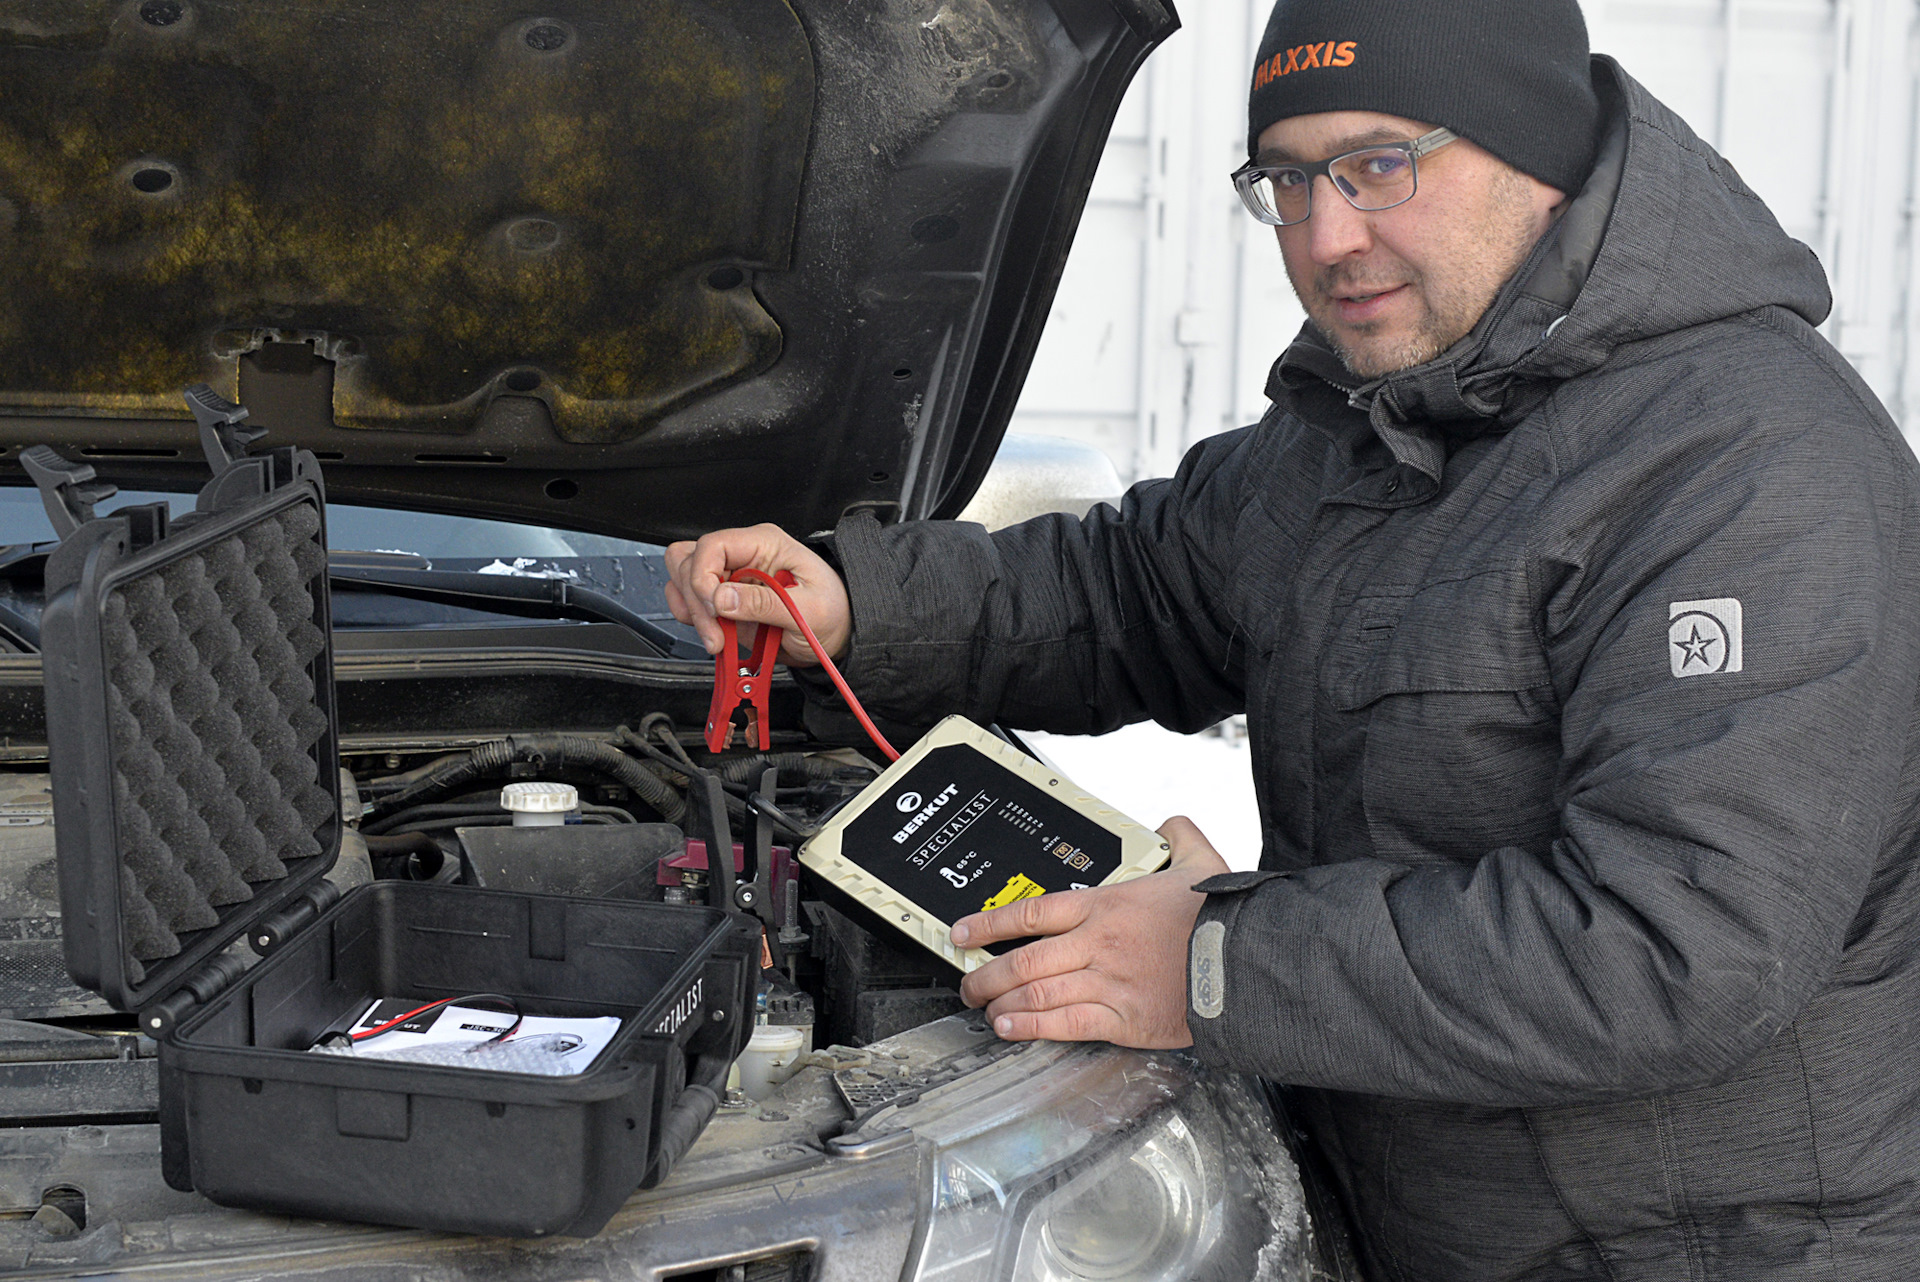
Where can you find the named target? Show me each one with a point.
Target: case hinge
(197, 989)
(294, 918)
(68, 489)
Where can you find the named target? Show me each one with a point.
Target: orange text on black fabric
(1333, 53)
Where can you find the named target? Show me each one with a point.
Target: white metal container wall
(1174, 303)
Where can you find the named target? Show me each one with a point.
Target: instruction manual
(461, 1037)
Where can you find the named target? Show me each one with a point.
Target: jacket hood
(1664, 236)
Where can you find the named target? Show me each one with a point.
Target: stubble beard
(1474, 268)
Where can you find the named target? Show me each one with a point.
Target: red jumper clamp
(735, 686)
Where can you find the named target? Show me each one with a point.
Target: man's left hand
(1113, 965)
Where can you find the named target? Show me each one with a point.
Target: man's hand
(698, 592)
(1114, 965)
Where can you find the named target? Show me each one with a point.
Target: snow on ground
(1150, 774)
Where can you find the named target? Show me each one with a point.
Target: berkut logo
(1333, 53)
(1703, 637)
(908, 803)
(913, 824)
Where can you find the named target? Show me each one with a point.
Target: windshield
(433, 535)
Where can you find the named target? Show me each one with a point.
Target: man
(1569, 589)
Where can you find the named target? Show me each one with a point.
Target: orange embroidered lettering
(1333, 53)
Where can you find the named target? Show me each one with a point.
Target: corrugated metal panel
(1175, 303)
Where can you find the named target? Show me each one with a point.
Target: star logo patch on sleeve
(1703, 637)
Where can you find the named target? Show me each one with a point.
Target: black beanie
(1510, 75)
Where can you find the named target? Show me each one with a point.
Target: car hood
(642, 267)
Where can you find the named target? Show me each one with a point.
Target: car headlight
(1099, 1163)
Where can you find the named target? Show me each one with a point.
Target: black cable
(465, 811)
(794, 768)
(486, 821)
(616, 813)
(760, 803)
(680, 770)
(554, 751)
(448, 825)
(394, 782)
(655, 721)
(437, 810)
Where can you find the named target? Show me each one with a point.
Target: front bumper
(1043, 1162)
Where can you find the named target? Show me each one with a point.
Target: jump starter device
(964, 822)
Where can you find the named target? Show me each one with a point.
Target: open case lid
(190, 714)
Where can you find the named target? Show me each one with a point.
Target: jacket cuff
(858, 552)
(866, 566)
(1218, 1009)
(853, 550)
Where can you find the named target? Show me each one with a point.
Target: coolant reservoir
(773, 1055)
(540, 805)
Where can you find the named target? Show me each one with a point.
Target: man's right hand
(698, 592)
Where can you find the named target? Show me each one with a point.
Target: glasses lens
(1279, 195)
(1377, 179)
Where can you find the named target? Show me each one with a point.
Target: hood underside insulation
(448, 200)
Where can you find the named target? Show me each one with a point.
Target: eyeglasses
(1371, 179)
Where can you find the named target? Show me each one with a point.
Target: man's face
(1396, 287)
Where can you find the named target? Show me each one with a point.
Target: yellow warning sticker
(1019, 886)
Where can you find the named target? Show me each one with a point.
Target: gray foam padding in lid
(214, 726)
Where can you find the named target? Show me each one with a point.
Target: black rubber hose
(794, 767)
(391, 783)
(489, 821)
(558, 751)
(478, 813)
(431, 810)
(405, 843)
(681, 1126)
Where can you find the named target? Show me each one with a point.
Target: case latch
(68, 489)
(223, 434)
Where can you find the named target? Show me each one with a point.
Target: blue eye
(1383, 164)
(1287, 179)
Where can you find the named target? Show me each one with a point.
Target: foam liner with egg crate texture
(189, 710)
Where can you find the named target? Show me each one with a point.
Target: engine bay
(437, 816)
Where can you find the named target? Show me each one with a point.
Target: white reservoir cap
(540, 805)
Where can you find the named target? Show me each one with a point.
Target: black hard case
(249, 1116)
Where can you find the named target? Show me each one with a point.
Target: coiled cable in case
(342, 1038)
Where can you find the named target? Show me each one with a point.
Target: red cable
(400, 1019)
(444, 1001)
(820, 652)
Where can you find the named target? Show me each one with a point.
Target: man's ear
(1557, 200)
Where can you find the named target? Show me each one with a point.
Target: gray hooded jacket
(1580, 668)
